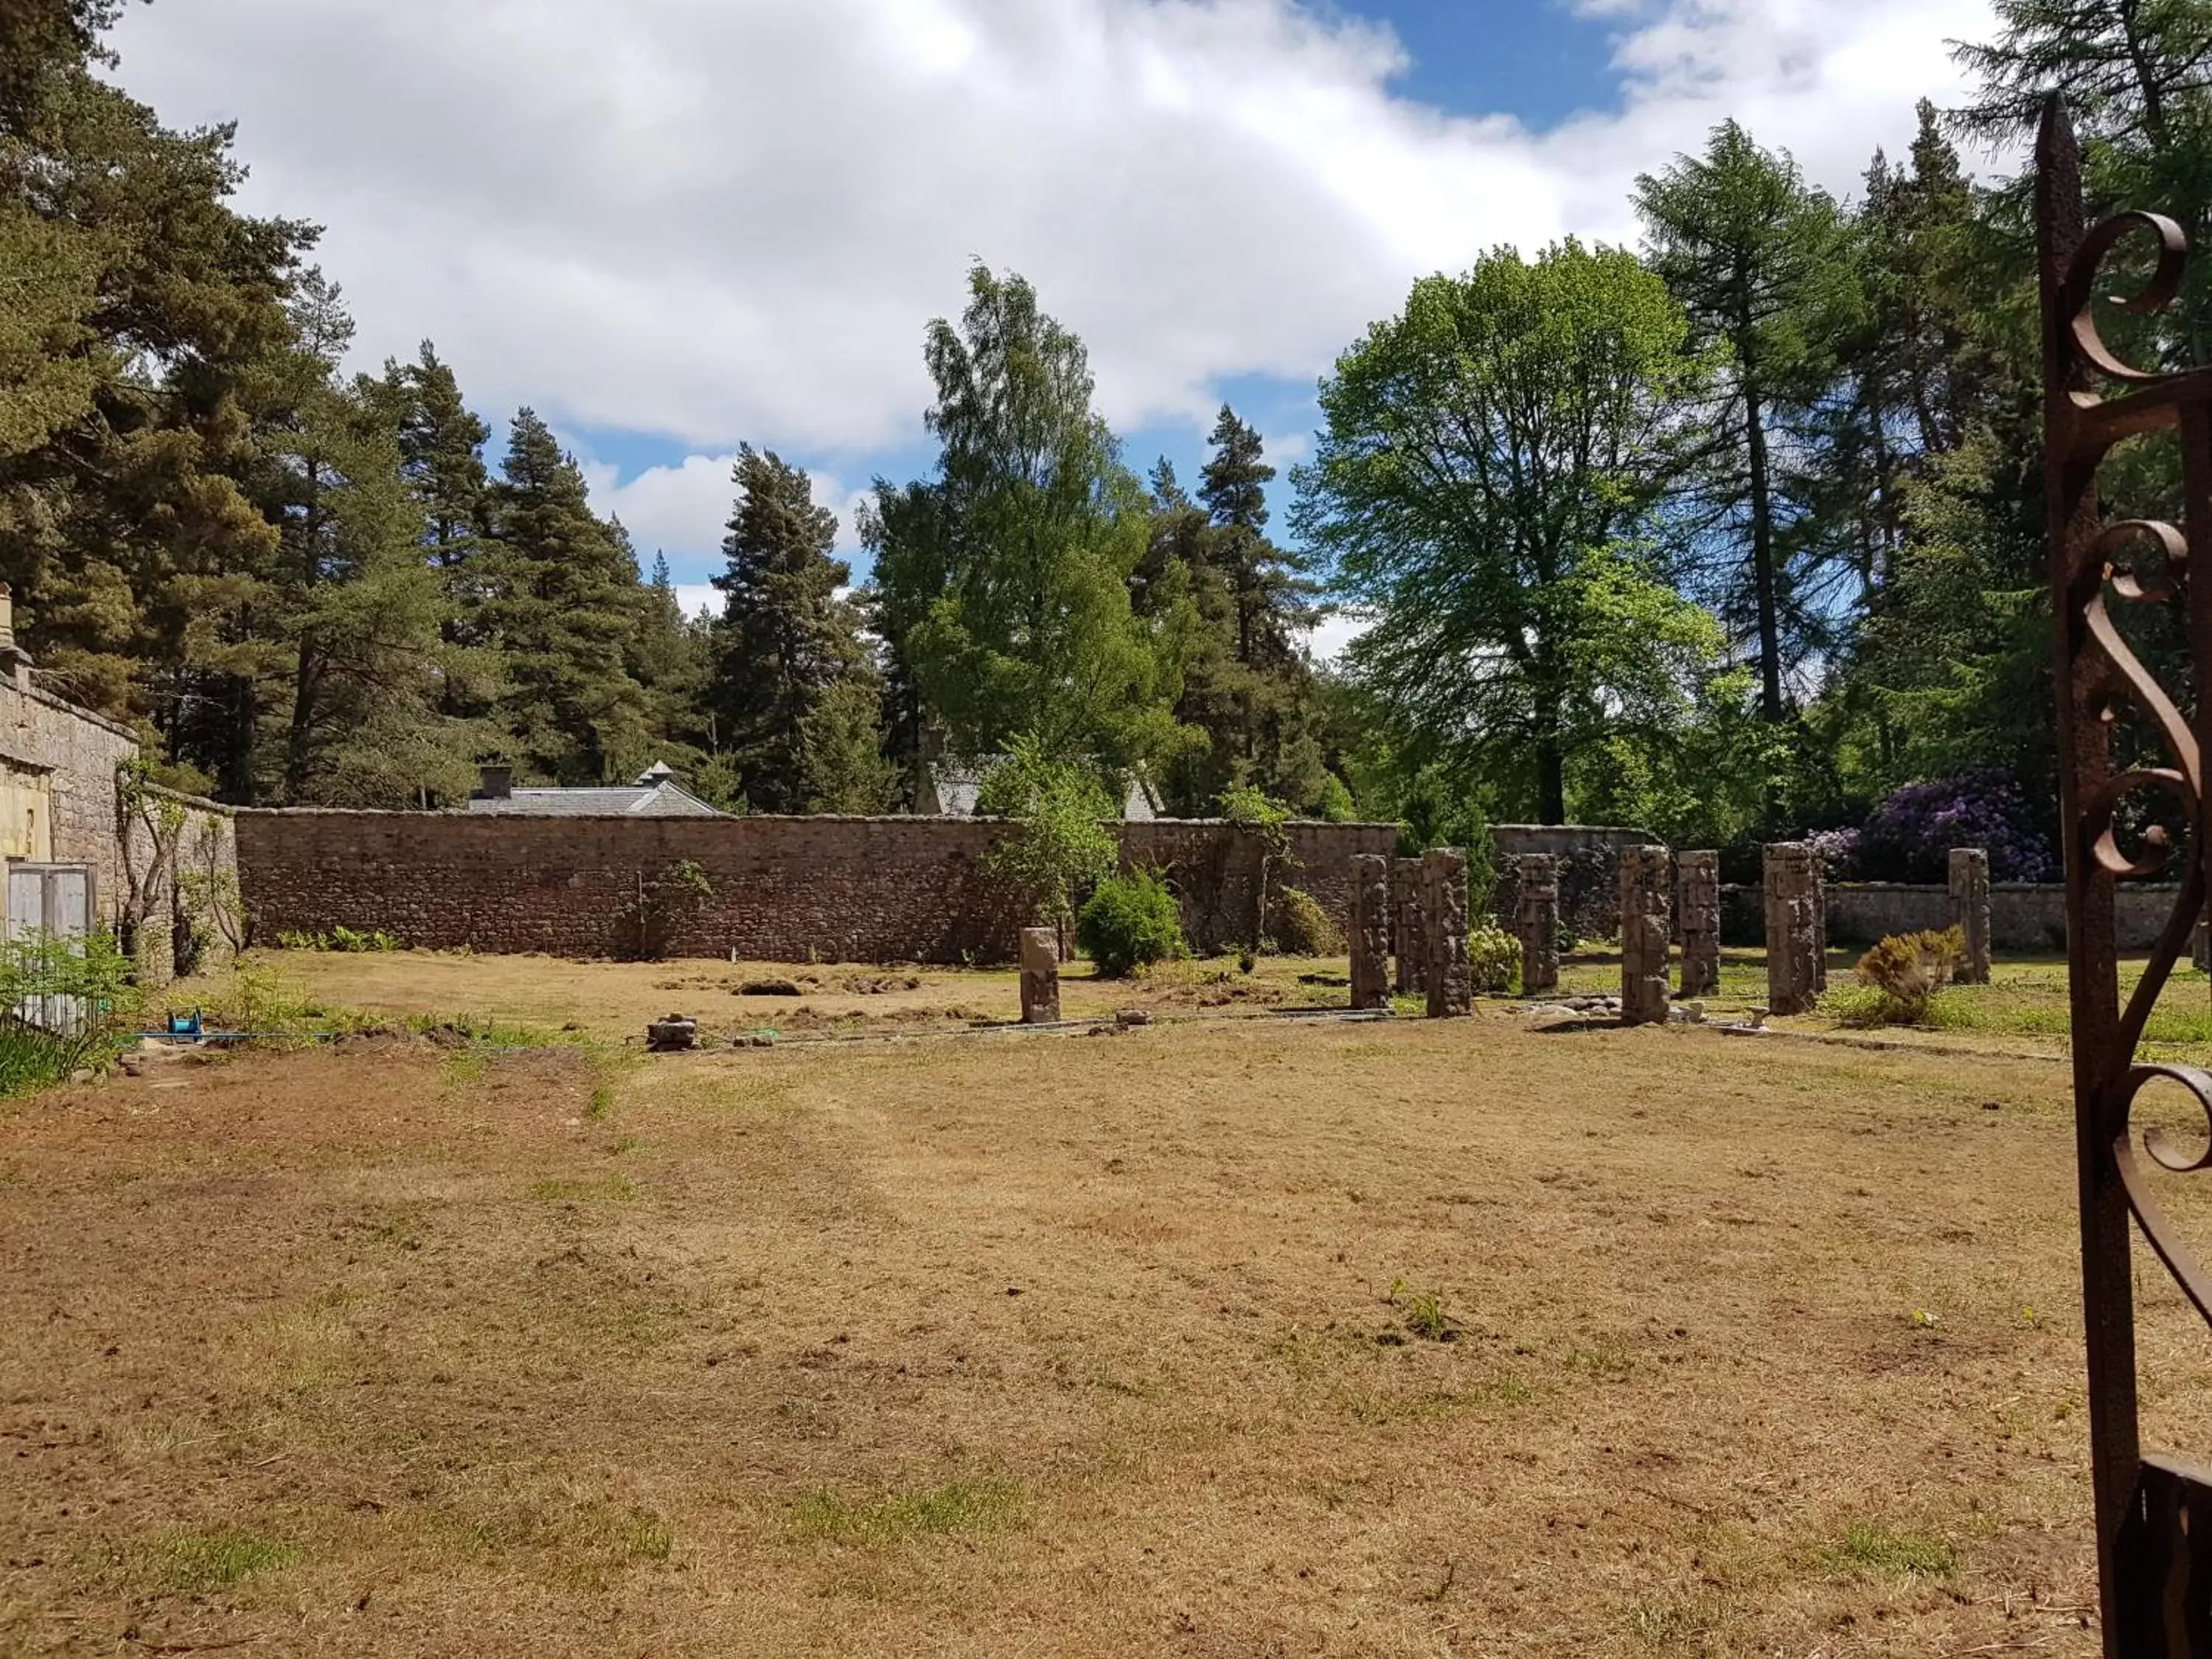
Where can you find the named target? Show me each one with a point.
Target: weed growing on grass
(1902, 1554)
(956, 1506)
(1422, 1313)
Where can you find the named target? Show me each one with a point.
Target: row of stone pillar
(1413, 910)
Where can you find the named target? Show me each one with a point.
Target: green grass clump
(1902, 1554)
(956, 1506)
(615, 1190)
(194, 1562)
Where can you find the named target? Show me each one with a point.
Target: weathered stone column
(1444, 927)
(1536, 919)
(1040, 975)
(1370, 931)
(1969, 910)
(2200, 946)
(1698, 886)
(1646, 881)
(1406, 937)
(1793, 927)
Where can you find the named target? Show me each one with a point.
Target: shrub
(1493, 958)
(1905, 971)
(1057, 842)
(1130, 921)
(1303, 927)
(1909, 837)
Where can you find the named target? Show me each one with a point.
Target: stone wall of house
(80, 752)
(779, 889)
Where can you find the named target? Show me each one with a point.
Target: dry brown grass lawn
(1247, 1338)
(615, 999)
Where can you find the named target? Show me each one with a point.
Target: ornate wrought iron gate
(2154, 1515)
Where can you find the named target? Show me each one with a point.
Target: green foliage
(1001, 587)
(342, 940)
(1486, 486)
(1884, 1549)
(957, 1506)
(660, 907)
(1057, 842)
(1130, 921)
(1761, 264)
(1248, 689)
(1906, 972)
(60, 1001)
(1302, 927)
(1493, 958)
(793, 688)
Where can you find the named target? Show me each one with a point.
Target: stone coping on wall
(454, 813)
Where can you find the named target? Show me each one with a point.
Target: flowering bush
(1909, 836)
(1837, 851)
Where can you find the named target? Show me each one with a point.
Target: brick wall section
(81, 750)
(859, 890)
(194, 906)
(1588, 867)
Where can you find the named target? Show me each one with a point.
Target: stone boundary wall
(195, 917)
(785, 889)
(2023, 915)
(1589, 871)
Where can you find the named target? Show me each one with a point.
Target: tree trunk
(1762, 559)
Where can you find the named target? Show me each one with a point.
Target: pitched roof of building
(656, 794)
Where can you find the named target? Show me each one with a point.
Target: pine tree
(791, 677)
(441, 448)
(563, 610)
(1759, 261)
(1002, 585)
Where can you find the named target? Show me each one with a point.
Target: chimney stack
(497, 783)
(14, 661)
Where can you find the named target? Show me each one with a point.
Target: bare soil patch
(1237, 1338)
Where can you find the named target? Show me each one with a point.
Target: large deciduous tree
(1483, 488)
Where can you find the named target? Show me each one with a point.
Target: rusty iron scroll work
(2156, 1581)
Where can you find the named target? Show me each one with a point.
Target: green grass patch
(195, 1562)
(1429, 1404)
(614, 1189)
(957, 1506)
(1900, 1554)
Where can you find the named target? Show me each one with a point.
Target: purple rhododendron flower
(1909, 837)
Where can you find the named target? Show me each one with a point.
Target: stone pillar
(1969, 910)
(1536, 919)
(1793, 927)
(2200, 946)
(1646, 933)
(1040, 975)
(1370, 931)
(1444, 927)
(1698, 890)
(1406, 937)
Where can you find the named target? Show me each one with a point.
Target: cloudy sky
(673, 225)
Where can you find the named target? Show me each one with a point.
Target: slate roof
(954, 785)
(655, 795)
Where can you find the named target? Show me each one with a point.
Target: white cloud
(717, 220)
(685, 508)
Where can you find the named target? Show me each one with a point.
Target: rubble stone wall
(783, 888)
